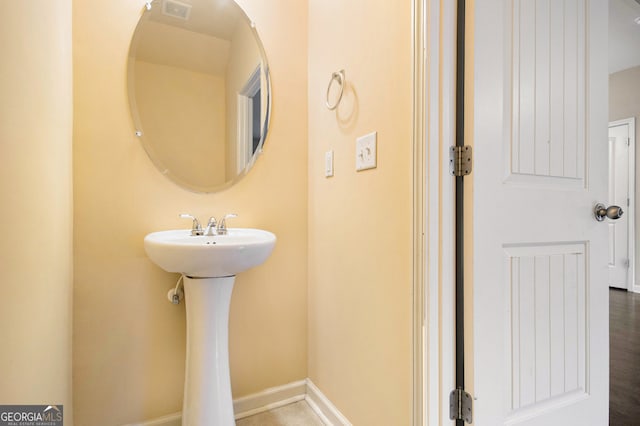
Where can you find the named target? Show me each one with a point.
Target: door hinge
(460, 160)
(460, 406)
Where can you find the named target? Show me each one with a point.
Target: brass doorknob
(612, 212)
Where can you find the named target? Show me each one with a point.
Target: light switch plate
(366, 151)
(328, 163)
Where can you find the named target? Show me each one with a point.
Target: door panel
(540, 314)
(547, 45)
(548, 311)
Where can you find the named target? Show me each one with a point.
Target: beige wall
(36, 199)
(360, 284)
(624, 102)
(176, 104)
(128, 340)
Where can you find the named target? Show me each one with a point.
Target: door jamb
(245, 120)
(434, 50)
(631, 274)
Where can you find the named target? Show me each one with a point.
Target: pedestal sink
(209, 264)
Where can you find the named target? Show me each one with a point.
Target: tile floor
(296, 414)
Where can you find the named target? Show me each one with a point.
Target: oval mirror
(199, 91)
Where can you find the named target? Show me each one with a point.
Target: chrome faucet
(211, 227)
(196, 228)
(222, 225)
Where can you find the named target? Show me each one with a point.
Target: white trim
(270, 399)
(174, 419)
(245, 119)
(434, 132)
(632, 205)
(324, 408)
(244, 132)
(252, 85)
(632, 285)
(419, 399)
(445, 286)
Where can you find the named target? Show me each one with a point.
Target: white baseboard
(174, 419)
(324, 408)
(270, 399)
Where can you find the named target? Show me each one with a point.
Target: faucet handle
(196, 228)
(222, 225)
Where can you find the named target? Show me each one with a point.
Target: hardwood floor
(624, 372)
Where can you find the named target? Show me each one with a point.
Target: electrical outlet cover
(366, 151)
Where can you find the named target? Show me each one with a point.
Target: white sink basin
(209, 256)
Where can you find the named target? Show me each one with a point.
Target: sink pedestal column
(207, 387)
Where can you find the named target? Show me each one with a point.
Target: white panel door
(619, 139)
(540, 300)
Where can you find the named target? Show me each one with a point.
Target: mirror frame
(137, 124)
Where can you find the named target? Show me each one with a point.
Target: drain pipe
(176, 295)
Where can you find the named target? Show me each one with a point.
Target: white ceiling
(201, 43)
(624, 35)
(215, 18)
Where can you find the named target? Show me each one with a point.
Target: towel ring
(339, 77)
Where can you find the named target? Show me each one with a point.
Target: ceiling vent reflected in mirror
(176, 9)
